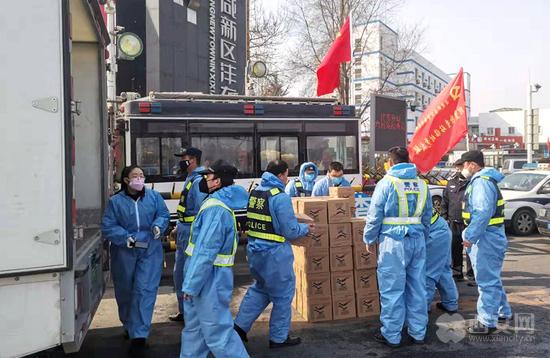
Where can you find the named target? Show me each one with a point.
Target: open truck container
(54, 155)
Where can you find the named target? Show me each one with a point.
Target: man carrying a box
(271, 224)
(302, 186)
(399, 222)
(335, 177)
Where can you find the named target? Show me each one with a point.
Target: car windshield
(521, 181)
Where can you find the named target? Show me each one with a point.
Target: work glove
(156, 232)
(130, 242)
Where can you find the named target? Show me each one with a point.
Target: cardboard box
(357, 229)
(366, 282)
(317, 309)
(318, 239)
(304, 219)
(311, 260)
(341, 192)
(339, 211)
(295, 204)
(368, 305)
(316, 285)
(342, 283)
(344, 307)
(363, 260)
(316, 208)
(340, 234)
(341, 258)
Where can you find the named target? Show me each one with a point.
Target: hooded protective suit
(209, 280)
(489, 246)
(136, 271)
(193, 203)
(402, 250)
(321, 187)
(271, 266)
(307, 184)
(438, 265)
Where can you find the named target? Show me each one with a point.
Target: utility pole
(532, 89)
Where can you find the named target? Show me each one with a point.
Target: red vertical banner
(328, 72)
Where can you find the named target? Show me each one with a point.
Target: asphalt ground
(526, 277)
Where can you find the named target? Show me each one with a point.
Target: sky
(500, 43)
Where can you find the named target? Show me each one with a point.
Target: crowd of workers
(413, 242)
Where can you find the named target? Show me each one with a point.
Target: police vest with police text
(259, 220)
(403, 188)
(498, 218)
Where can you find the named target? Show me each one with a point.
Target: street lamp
(532, 89)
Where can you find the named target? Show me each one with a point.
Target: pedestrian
(399, 222)
(451, 210)
(303, 185)
(438, 266)
(271, 226)
(133, 223)
(485, 241)
(191, 199)
(334, 177)
(208, 284)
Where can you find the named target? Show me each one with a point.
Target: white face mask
(466, 173)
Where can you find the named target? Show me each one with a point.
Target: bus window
(148, 155)
(170, 163)
(285, 148)
(279, 127)
(235, 150)
(322, 150)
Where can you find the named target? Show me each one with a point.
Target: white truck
(55, 159)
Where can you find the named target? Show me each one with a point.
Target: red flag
(328, 72)
(442, 125)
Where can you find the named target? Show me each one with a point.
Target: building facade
(381, 66)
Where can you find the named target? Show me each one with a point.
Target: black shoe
(290, 341)
(504, 319)
(458, 277)
(418, 342)
(479, 329)
(241, 333)
(442, 307)
(138, 348)
(178, 317)
(378, 337)
(472, 284)
(126, 335)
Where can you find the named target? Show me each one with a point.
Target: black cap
(191, 151)
(473, 156)
(221, 169)
(459, 162)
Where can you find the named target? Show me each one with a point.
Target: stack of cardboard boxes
(335, 275)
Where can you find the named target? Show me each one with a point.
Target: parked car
(513, 165)
(543, 220)
(525, 194)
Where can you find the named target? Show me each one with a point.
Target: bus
(248, 132)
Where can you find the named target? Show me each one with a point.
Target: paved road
(526, 276)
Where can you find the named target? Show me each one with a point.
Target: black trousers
(457, 250)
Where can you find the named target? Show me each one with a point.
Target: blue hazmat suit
(136, 271)
(401, 259)
(307, 183)
(438, 265)
(321, 187)
(208, 320)
(489, 246)
(194, 200)
(271, 266)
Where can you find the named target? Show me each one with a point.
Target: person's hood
(303, 170)
(197, 170)
(271, 181)
(403, 171)
(234, 196)
(491, 173)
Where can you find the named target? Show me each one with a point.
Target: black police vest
(182, 217)
(302, 192)
(498, 217)
(259, 220)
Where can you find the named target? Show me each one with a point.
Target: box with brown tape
(316, 285)
(341, 192)
(315, 208)
(342, 283)
(340, 234)
(357, 230)
(368, 305)
(341, 258)
(344, 307)
(366, 282)
(316, 239)
(339, 210)
(311, 260)
(317, 309)
(363, 260)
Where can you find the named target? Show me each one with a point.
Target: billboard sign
(388, 123)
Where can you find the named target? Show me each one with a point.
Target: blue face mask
(309, 176)
(336, 180)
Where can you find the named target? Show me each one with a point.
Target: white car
(525, 193)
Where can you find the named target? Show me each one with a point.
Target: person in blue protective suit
(190, 201)
(208, 283)
(271, 226)
(485, 241)
(399, 222)
(303, 185)
(335, 177)
(133, 223)
(439, 273)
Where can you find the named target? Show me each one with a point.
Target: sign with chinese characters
(226, 46)
(388, 123)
